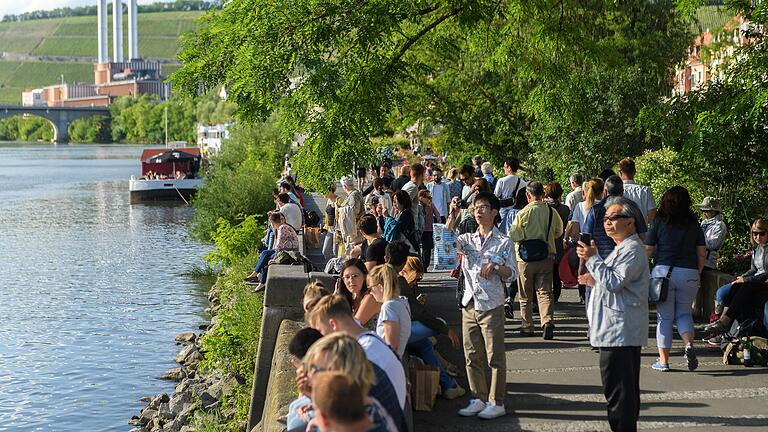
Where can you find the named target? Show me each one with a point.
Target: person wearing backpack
(534, 230)
(511, 192)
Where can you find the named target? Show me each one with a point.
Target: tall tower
(117, 30)
(133, 30)
(101, 12)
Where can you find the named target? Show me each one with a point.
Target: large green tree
(563, 80)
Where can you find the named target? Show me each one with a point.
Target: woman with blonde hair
(394, 322)
(339, 352)
(313, 292)
(413, 270)
(739, 299)
(592, 190)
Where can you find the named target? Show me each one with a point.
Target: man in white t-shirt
(441, 195)
(507, 187)
(641, 195)
(575, 196)
(334, 314)
(291, 211)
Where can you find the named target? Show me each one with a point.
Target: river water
(92, 288)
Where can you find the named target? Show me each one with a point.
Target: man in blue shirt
(614, 187)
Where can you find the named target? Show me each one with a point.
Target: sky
(21, 6)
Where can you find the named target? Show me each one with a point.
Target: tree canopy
(558, 82)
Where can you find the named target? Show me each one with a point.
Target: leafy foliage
(242, 179)
(94, 129)
(18, 128)
(235, 242)
(546, 78)
(719, 132)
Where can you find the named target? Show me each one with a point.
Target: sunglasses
(614, 218)
(758, 233)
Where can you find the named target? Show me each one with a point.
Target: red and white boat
(167, 174)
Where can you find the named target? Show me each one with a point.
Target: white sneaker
(475, 406)
(492, 412)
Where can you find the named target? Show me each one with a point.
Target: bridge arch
(59, 117)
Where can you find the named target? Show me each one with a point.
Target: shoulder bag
(536, 249)
(658, 288)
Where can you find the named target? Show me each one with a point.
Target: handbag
(425, 383)
(658, 287)
(535, 249)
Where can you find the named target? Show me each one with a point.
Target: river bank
(197, 390)
(215, 364)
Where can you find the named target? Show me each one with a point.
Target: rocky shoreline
(196, 390)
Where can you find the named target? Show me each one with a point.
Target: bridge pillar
(61, 128)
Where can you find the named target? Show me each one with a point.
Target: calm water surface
(92, 289)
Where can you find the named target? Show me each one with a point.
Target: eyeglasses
(482, 207)
(758, 233)
(313, 368)
(353, 276)
(615, 217)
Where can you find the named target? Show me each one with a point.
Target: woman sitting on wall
(365, 308)
(285, 239)
(740, 298)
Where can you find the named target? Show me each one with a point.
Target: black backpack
(518, 200)
(311, 219)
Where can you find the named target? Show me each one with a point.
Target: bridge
(59, 117)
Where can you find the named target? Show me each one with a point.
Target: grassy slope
(76, 36)
(712, 18)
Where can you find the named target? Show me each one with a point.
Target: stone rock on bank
(195, 391)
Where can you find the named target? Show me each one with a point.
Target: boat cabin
(159, 164)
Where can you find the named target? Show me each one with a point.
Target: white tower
(133, 30)
(117, 30)
(101, 12)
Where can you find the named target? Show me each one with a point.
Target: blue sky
(20, 6)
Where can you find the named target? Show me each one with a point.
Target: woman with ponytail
(394, 323)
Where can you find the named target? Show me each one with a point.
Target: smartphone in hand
(585, 238)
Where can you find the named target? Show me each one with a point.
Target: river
(92, 288)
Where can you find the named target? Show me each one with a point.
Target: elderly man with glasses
(618, 311)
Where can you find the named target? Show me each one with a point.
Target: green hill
(76, 36)
(72, 41)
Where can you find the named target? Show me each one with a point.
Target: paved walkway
(555, 385)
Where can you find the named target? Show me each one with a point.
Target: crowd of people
(516, 238)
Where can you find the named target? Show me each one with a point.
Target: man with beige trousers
(487, 263)
(537, 222)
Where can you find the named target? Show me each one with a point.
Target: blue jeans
(261, 264)
(683, 285)
(722, 293)
(328, 246)
(419, 344)
(765, 318)
(294, 420)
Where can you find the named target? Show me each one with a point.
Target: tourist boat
(167, 174)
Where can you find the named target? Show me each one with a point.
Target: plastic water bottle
(748, 353)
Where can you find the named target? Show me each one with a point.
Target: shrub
(235, 242)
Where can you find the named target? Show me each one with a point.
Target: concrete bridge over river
(59, 117)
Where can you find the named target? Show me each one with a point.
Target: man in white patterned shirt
(487, 263)
(641, 195)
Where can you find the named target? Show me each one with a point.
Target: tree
(508, 76)
(722, 129)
